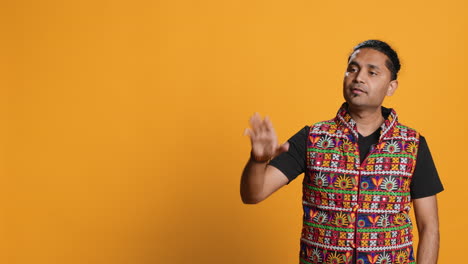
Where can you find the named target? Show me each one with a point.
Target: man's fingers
(255, 122)
(261, 124)
(249, 132)
(268, 124)
(261, 127)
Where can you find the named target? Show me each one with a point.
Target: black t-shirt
(425, 181)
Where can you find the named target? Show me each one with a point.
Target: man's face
(367, 79)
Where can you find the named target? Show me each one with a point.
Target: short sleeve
(425, 181)
(293, 162)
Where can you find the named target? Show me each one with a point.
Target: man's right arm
(260, 180)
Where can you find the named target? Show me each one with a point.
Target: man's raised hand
(263, 139)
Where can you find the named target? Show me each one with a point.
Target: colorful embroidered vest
(358, 213)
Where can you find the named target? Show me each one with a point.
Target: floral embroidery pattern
(349, 205)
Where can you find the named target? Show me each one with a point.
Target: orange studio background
(122, 121)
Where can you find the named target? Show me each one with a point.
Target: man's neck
(367, 120)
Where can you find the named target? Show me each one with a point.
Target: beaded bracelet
(252, 157)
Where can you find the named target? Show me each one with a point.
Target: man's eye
(373, 73)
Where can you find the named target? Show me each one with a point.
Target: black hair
(393, 63)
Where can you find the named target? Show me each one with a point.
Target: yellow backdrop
(122, 121)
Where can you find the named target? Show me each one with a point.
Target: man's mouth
(357, 90)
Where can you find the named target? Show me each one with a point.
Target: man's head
(392, 62)
(371, 74)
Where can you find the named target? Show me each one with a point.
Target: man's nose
(359, 77)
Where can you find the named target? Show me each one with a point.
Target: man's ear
(392, 86)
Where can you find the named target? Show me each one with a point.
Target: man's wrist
(258, 159)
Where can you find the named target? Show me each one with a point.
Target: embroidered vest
(358, 213)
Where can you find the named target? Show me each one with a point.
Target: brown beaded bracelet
(252, 157)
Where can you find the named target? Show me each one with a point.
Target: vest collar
(344, 118)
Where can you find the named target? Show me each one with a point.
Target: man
(362, 170)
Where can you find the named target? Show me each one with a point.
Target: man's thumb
(283, 148)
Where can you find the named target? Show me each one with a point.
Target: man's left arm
(427, 220)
